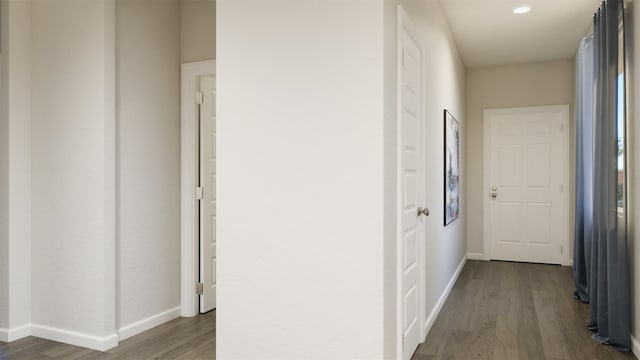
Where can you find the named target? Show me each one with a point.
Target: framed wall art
(451, 168)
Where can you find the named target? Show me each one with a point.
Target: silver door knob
(493, 194)
(424, 211)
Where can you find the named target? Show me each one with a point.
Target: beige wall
(444, 81)
(533, 84)
(148, 158)
(198, 30)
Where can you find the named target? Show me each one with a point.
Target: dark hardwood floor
(496, 310)
(179, 339)
(511, 311)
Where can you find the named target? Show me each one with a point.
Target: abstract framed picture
(451, 168)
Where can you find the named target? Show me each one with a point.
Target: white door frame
(189, 222)
(566, 256)
(404, 22)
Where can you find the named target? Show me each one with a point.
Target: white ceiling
(488, 33)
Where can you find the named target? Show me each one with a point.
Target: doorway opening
(198, 187)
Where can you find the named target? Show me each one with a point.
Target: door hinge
(199, 97)
(562, 127)
(199, 288)
(561, 249)
(199, 193)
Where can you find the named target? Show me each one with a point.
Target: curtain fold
(601, 268)
(584, 169)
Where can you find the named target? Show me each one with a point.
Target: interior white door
(208, 186)
(526, 183)
(410, 183)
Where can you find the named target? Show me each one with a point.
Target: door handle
(493, 194)
(424, 211)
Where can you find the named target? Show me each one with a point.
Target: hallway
(503, 310)
(496, 310)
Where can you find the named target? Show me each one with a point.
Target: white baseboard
(635, 346)
(9, 335)
(75, 338)
(85, 340)
(571, 262)
(476, 256)
(445, 294)
(148, 323)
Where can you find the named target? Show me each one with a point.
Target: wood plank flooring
(180, 339)
(496, 310)
(513, 311)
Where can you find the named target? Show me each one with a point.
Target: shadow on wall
(198, 30)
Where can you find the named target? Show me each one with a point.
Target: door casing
(405, 25)
(207, 174)
(487, 143)
(189, 222)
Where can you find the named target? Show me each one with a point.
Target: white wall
(19, 111)
(532, 84)
(15, 301)
(71, 151)
(300, 179)
(73, 177)
(148, 158)
(4, 170)
(198, 30)
(390, 279)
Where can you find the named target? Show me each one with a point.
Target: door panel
(509, 173)
(527, 204)
(539, 223)
(411, 161)
(538, 160)
(208, 202)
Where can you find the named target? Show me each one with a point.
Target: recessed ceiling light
(522, 9)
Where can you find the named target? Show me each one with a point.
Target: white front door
(526, 184)
(208, 186)
(410, 184)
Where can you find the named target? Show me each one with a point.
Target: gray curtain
(600, 264)
(584, 168)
